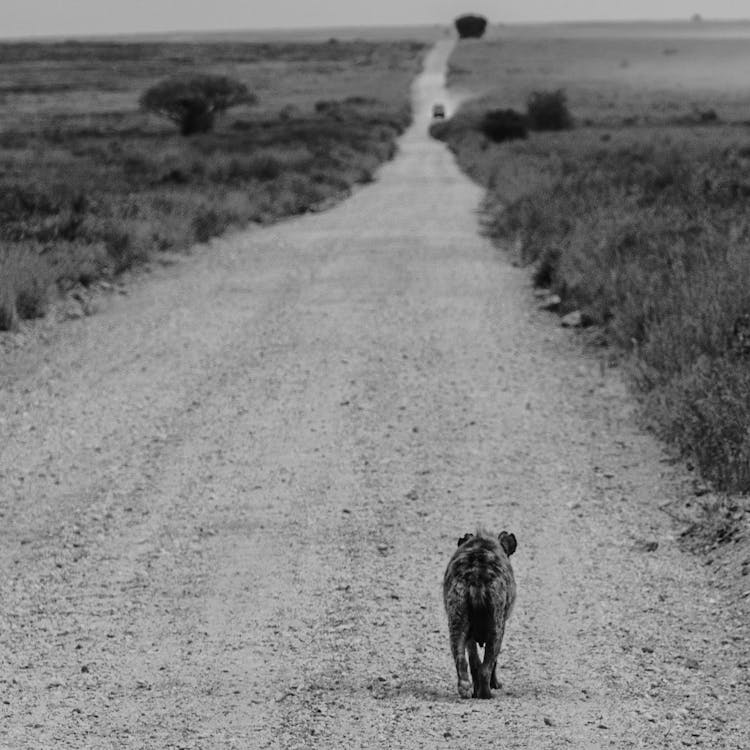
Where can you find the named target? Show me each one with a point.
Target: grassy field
(90, 185)
(636, 217)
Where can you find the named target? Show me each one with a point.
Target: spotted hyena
(479, 591)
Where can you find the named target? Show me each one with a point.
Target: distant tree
(470, 26)
(193, 101)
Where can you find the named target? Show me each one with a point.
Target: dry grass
(90, 185)
(25, 279)
(638, 217)
(640, 73)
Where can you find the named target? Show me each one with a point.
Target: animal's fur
(479, 591)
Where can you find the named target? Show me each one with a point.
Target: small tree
(194, 101)
(548, 110)
(470, 26)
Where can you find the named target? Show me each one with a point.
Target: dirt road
(229, 498)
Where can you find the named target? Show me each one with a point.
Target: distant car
(438, 112)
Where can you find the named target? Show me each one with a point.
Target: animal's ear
(507, 542)
(465, 538)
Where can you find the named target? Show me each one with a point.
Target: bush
(470, 26)
(504, 125)
(125, 248)
(25, 278)
(210, 222)
(194, 101)
(548, 110)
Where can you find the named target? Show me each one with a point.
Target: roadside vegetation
(639, 226)
(94, 179)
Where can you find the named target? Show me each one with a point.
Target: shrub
(125, 247)
(440, 129)
(324, 106)
(504, 125)
(548, 110)
(263, 167)
(75, 263)
(25, 278)
(470, 26)
(194, 101)
(210, 222)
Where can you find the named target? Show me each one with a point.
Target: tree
(548, 110)
(194, 101)
(470, 26)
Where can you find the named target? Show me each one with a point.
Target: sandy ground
(229, 498)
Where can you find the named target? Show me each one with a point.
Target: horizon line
(74, 36)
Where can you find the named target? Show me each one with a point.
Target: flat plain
(651, 72)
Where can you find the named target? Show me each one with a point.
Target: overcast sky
(69, 17)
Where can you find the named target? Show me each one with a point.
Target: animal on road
(479, 590)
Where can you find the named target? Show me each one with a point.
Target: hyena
(479, 590)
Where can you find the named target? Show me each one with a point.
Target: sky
(80, 17)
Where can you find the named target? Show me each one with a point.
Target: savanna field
(92, 184)
(632, 213)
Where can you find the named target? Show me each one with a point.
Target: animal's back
(480, 573)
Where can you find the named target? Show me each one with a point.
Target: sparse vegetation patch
(91, 183)
(643, 231)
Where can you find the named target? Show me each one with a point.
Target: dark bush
(123, 249)
(175, 176)
(697, 117)
(194, 101)
(548, 110)
(8, 313)
(504, 125)
(470, 26)
(210, 222)
(32, 301)
(25, 277)
(363, 101)
(441, 129)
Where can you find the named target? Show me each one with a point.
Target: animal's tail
(479, 607)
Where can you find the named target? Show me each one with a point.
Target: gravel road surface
(228, 499)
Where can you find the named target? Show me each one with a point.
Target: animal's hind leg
(474, 663)
(494, 682)
(458, 649)
(488, 670)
